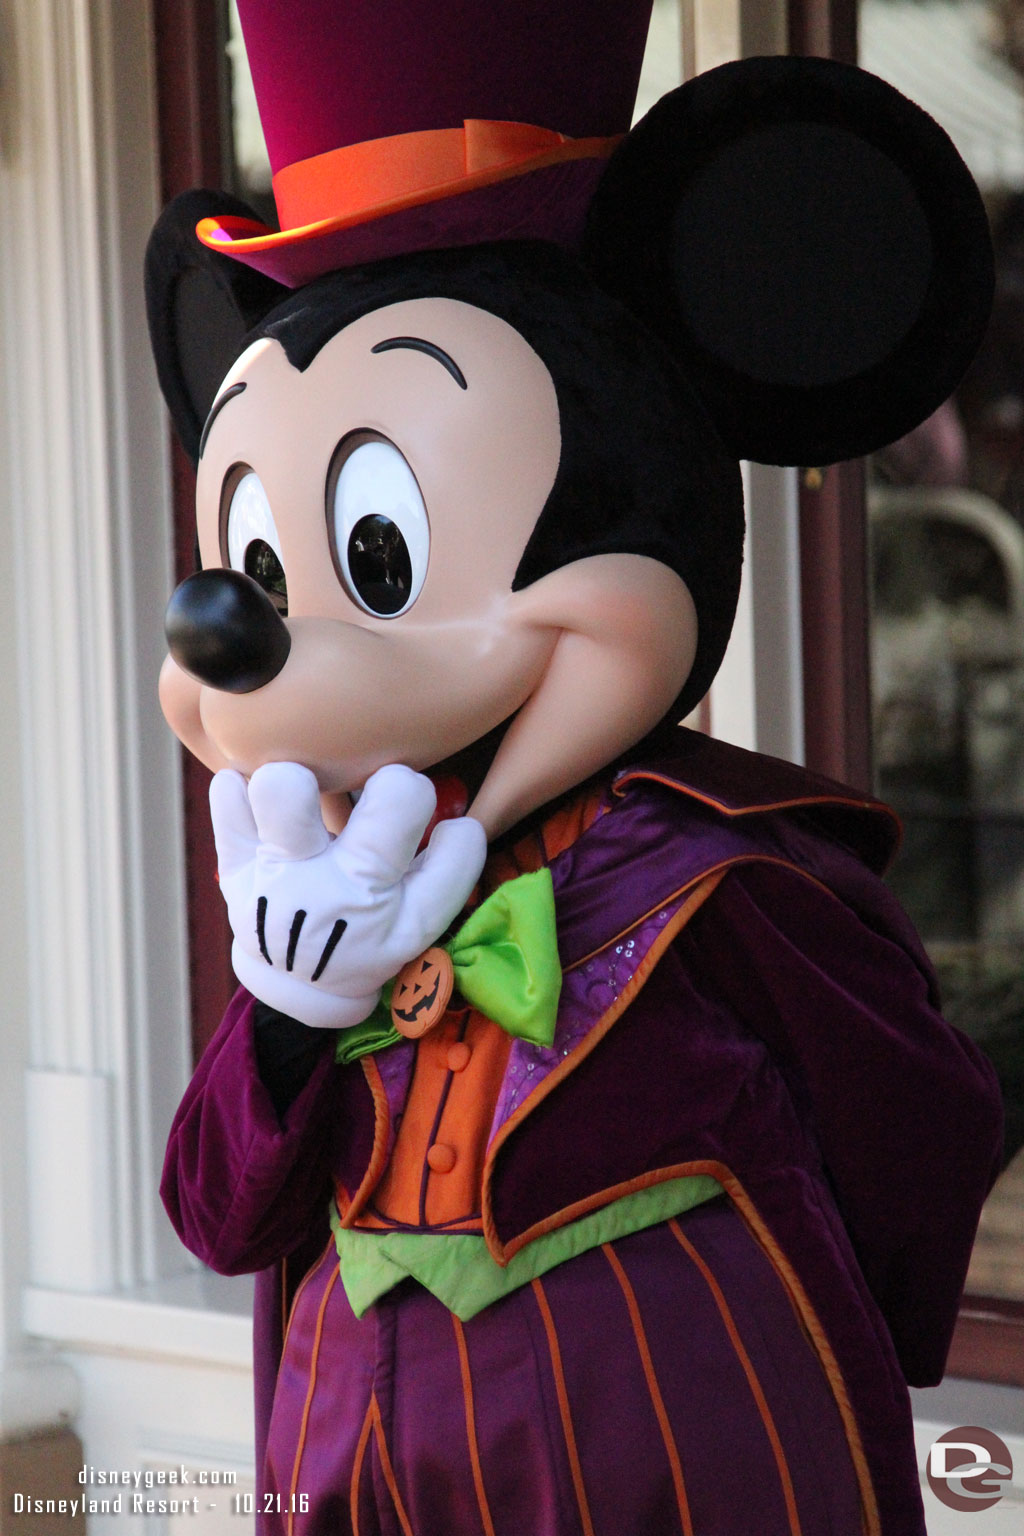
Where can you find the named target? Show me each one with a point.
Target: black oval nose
(223, 629)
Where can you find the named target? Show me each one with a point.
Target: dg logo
(969, 1468)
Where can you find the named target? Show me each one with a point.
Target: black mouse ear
(201, 306)
(811, 246)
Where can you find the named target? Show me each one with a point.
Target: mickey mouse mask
(464, 410)
(639, 470)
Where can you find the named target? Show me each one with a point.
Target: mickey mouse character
(605, 1162)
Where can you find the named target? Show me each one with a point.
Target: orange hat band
(343, 185)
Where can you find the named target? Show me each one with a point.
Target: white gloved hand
(321, 922)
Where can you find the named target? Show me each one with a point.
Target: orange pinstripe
(657, 1401)
(749, 1372)
(309, 1397)
(307, 1277)
(474, 1449)
(563, 1408)
(388, 1469)
(357, 1468)
(759, 1230)
(374, 1422)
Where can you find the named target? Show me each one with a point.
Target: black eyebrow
(215, 409)
(416, 344)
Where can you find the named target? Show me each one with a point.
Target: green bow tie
(505, 959)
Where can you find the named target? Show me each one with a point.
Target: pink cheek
(180, 700)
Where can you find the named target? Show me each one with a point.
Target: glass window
(251, 179)
(946, 511)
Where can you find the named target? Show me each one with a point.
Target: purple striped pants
(662, 1384)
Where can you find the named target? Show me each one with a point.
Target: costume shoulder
(708, 807)
(740, 784)
(807, 945)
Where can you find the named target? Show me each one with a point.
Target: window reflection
(947, 537)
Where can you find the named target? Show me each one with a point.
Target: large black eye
(379, 533)
(249, 537)
(262, 564)
(379, 566)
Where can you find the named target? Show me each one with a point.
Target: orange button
(458, 1056)
(441, 1158)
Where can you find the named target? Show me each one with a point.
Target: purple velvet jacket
(741, 997)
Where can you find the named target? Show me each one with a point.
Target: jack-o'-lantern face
(382, 497)
(421, 993)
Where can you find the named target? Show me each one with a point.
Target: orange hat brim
(331, 181)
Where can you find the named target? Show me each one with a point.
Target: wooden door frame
(193, 97)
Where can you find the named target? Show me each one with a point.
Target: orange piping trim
(357, 1468)
(307, 1277)
(878, 806)
(750, 810)
(657, 1400)
(378, 1156)
(751, 1375)
(309, 1398)
(564, 1410)
(716, 869)
(570, 1213)
(388, 1469)
(474, 1449)
(672, 928)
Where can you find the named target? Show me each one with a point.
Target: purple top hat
(403, 127)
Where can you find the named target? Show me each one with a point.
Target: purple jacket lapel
(625, 881)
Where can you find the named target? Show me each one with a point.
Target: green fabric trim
(373, 1034)
(506, 964)
(460, 1272)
